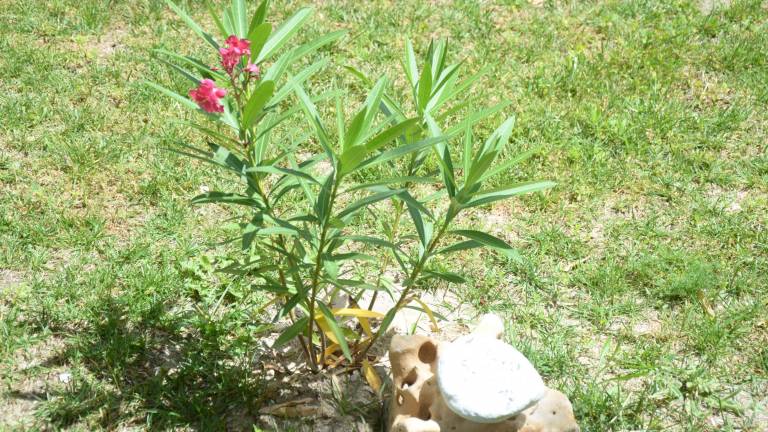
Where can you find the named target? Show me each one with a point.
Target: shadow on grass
(157, 369)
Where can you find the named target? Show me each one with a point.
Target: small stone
(485, 380)
(65, 377)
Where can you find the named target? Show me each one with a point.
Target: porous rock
(418, 405)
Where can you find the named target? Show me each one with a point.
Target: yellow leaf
(332, 349)
(359, 313)
(366, 325)
(371, 376)
(429, 313)
(705, 304)
(326, 329)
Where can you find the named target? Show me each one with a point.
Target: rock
(486, 380)
(491, 325)
(65, 377)
(552, 413)
(418, 405)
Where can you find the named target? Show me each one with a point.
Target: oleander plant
(308, 190)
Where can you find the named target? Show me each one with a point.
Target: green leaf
(192, 24)
(195, 63)
(314, 118)
(488, 240)
(446, 276)
(211, 133)
(331, 321)
(467, 155)
(401, 151)
(425, 88)
(353, 131)
(258, 37)
(256, 103)
(372, 103)
(387, 320)
(281, 170)
(351, 158)
(484, 238)
(460, 246)
(215, 17)
(508, 191)
(408, 198)
(259, 16)
(444, 83)
(278, 67)
(443, 157)
(389, 181)
(241, 16)
(280, 36)
(323, 198)
(352, 256)
(291, 332)
(418, 222)
(183, 72)
(478, 168)
(173, 95)
(411, 70)
(462, 87)
(299, 78)
(476, 117)
(364, 202)
(316, 43)
(227, 198)
(391, 134)
(229, 21)
(370, 240)
(504, 167)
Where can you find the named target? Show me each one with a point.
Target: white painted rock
(485, 380)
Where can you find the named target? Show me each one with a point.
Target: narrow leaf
(370, 199)
(259, 16)
(401, 151)
(258, 37)
(173, 95)
(283, 33)
(371, 376)
(256, 102)
(411, 70)
(291, 332)
(509, 191)
(331, 321)
(192, 24)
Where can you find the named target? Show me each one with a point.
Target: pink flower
(207, 96)
(236, 49)
(253, 69)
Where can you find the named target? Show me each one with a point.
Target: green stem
(410, 282)
(319, 263)
(297, 281)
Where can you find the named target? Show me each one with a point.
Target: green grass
(642, 293)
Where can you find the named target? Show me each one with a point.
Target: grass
(642, 293)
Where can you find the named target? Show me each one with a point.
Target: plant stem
(410, 283)
(306, 347)
(319, 263)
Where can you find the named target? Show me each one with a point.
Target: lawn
(642, 289)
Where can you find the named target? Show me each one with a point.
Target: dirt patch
(706, 89)
(709, 6)
(731, 201)
(38, 373)
(9, 279)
